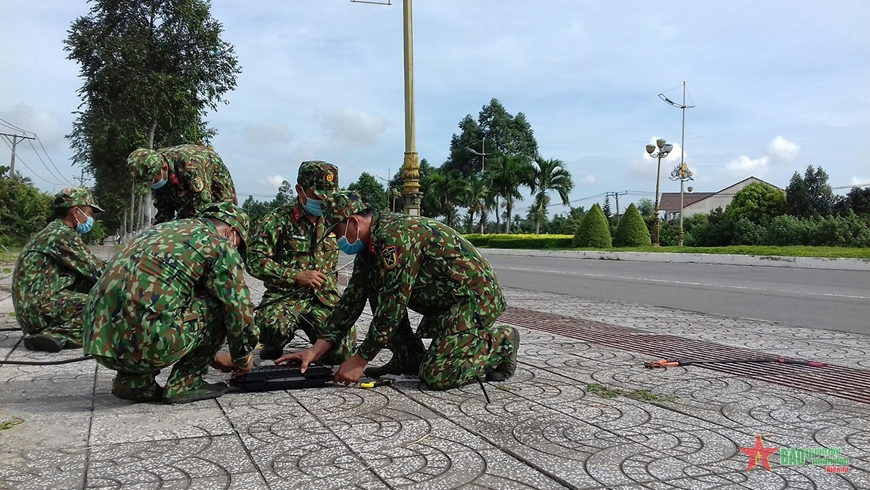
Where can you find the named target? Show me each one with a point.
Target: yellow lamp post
(663, 149)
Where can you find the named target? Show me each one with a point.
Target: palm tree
(446, 191)
(513, 172)
(476, 193)
(550, 175)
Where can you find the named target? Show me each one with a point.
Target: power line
(59, 175)
(46, 166)
(31, 170)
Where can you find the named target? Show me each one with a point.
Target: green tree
(23, 211)
(152, 69)
(504, 134)
(285, 195)
(371, 191)
(594, 231)
(256, 209)
(476, 196)
(446, 191)
(646, 207)
(810, 195)
(550, 175)
(507, 175)
(632, 230)
(757, 202)
(858, 200)
(427, 207)
(606, 209)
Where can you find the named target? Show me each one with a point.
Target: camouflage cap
(320, 176)
(340, 206)
(230, 214)
(144, 164)
(75, 196)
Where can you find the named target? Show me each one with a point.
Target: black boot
(270, 353)
(398, 365)
(507, 368)
(43, 342)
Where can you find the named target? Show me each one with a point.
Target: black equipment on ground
(281, 377)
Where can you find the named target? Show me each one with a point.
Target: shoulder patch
(390, 256)
(197, 185)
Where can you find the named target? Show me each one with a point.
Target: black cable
(482, 388)
(47, 363)
(10, 329)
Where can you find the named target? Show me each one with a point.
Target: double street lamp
(663, 149)
(682, 173)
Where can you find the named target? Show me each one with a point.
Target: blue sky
(778, 85)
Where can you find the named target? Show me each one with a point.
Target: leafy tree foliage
(476, 198)
(632, 230)
(757, 202)
(446, 191)
(428, 206)
(810, 195)
(257, 209)
(857, 200)
(23, 211)
(371, 191)
(550, 175)
(646, 207)
(594, 231)
(606, 209)
(151, 70)
(506, 176)
(505, 135)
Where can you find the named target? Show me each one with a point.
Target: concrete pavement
(578, 414)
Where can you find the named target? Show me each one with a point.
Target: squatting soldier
(54, 274)
(419, 264)
(184, 178)
(173, 296)
(292, 253)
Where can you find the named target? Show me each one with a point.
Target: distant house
(702, 202)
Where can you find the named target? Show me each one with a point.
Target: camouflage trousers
(205, 332)
(278, 323)
(62, 318)
(465, 342)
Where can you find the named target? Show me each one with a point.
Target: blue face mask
(159, 184)
(350, 248)
(314, 207)
(87, 225)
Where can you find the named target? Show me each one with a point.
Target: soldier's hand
(304, 357)
(310, 279)
(244, 366)
(350, 370)
(223, 362)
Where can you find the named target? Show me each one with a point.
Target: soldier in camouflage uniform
(184, 178)
(294, 256)
(173, 297)
(54, 274)
(423, 265)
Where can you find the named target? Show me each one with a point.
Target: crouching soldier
(54, 274)
(172, 297)
(423, 265)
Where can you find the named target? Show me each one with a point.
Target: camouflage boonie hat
(320, 176)
(340, 206)
(144, 164)
(230, 214)
(75, 196)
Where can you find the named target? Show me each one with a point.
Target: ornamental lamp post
(663, 149)
(682, 173)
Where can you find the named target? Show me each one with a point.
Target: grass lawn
(800, 251)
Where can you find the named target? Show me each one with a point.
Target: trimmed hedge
(632, 230)
(594, 230)
(520, 241)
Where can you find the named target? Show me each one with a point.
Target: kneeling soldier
(172, 297)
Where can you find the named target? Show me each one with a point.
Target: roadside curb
(847, 264)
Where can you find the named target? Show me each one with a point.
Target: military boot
(270, 353)
(42, 342)
(205, 392)
(398, 365)
(509, 366)
(150, 394)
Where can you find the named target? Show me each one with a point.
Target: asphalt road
(829, 299)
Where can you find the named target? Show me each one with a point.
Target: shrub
(594, 231)
(531, 241)
(632, 231)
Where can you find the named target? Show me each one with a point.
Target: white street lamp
(482, 154)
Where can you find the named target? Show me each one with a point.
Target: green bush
(594, 231)
(632, 230)
(23, 211)
(531, 241)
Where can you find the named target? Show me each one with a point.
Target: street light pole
(482, 154)
(664, 148)
(410, 164)
(682, 167)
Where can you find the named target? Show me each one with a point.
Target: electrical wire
(18, 159)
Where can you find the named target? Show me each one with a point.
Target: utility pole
(15, 138)
(80, 179)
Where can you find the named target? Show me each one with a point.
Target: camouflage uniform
(424, 265)
(285, 243)
(54, 274)
(172, 296)
(197, 177)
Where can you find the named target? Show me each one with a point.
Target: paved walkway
(578, 414)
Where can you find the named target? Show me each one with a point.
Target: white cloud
(860, 181)
(352, 126)
(745, 166)
(782, 150)
(307, 150)
(269, 133)
(588, 180)
(274, 181)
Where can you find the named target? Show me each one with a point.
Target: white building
(702, 202)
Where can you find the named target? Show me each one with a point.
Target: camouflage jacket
(285, 243)
(55, 259)
(197, 176)
(143, 296)
(412, 263)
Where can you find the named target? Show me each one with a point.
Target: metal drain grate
(849, 383)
